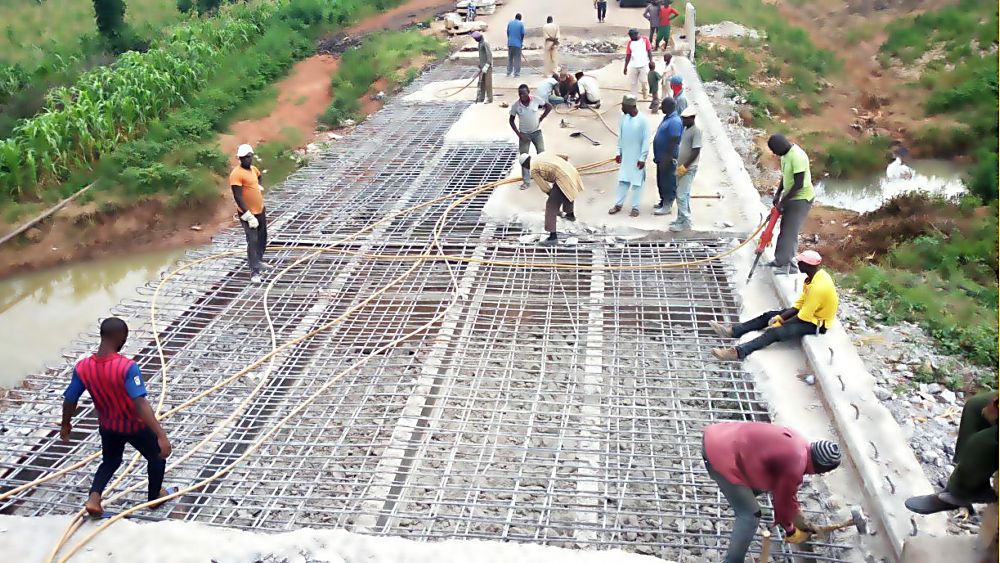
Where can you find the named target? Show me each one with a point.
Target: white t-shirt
(589, 87)
(639, 51)
(528, 115)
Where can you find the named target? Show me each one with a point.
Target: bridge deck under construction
(490, 397)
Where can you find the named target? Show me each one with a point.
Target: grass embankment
(790, 73)
(954, 47)
(381, 57)
(939, 271)
(153, 149)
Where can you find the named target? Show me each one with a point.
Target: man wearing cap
(249, 195)
(749, 458)
(677, 89)
(558, 178)
(530, 112)
(666, 143)
(793, 198)
(633, 148)
(812, 313)
(687, 167)
(484, 92)
(550, 31)
(638, 53)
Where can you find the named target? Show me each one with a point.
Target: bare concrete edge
(888, 468)
(870, 434)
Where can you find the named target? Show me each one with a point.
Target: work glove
(486, 67)
(618, 159)
(250, 219)
(775, 321)
(681, 170)
(797, 536)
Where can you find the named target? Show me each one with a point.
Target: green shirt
(795, 161)
(654, 82)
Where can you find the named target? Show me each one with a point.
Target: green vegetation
(854, 157)
(791, 71)
(380, 57)
(944, 281)
(959, 78)
(121, 124)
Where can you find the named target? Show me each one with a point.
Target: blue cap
(676, 79)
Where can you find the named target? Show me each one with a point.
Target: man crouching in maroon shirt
(749, 458)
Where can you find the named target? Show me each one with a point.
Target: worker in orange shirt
(249, 196)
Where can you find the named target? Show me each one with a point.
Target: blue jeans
(666, 181)
(513, 61)
(623, 189)
(556, 100)
(792, 329)
(684, 198)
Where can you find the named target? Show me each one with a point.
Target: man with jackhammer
(794, 198)
(560, 180)
(749, 458)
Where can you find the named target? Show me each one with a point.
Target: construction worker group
(745, 459)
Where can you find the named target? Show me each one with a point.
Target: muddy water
(42, 312)
(937, 177)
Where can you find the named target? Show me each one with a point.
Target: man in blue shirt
(515, 40)
(666, 145)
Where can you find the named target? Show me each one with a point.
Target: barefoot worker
(812, 313)
(558, 178)
(749, 458)
(123, 413)
(249, 195)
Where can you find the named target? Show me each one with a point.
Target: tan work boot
(726, 354)
(724, 331)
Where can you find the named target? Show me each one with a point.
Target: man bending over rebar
(812, 313)
(558, 178)
(123, 413)
(749, 458)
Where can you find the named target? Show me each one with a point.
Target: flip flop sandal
(634, 213)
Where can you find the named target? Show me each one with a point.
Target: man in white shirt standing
(638, 53)
(529, 128)
(550, 31)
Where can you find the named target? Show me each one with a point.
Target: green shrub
(156, 177)
(855, 157)
(191, 123)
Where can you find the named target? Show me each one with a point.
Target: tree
(110, 16)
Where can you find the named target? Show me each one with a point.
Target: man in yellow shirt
(560, 180)
(249, 196)
(812, 313)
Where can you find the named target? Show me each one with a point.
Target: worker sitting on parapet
(123, 413)
(812, 313)
(558, 178)
(750, 458)
(975, 460)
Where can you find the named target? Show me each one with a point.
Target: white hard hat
(522, 157)
(243, 150)
(689, 112)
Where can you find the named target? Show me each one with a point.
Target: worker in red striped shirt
(748, 458)
(123, 413)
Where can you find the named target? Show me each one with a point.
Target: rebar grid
(558, 406)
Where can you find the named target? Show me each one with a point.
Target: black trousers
(666, 181)
(256, 241)
(113, 446)
(791, 329)
(602, 11)
(556, 201)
